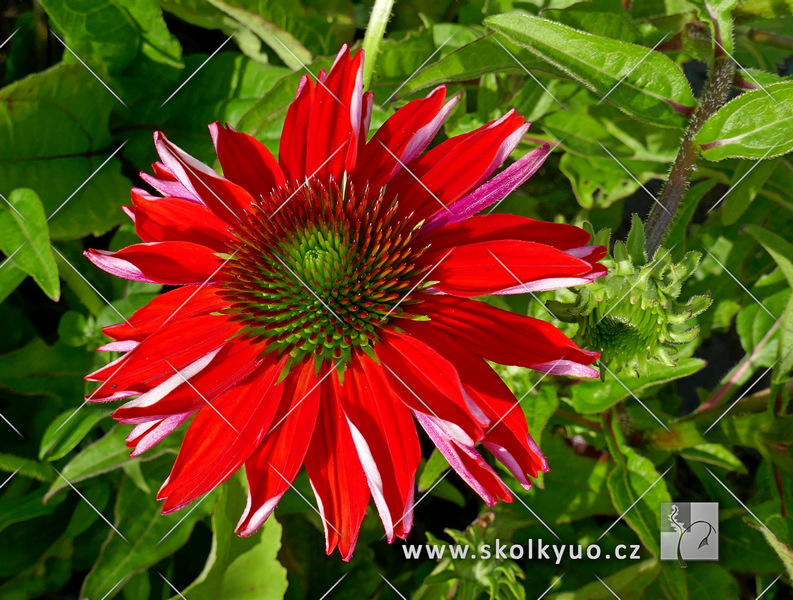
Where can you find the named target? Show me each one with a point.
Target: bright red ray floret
(324, 306)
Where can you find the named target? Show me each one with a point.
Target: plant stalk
(663, 213)
(375, 30)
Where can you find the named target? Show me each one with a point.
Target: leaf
(435, 466)
(756, 124)
(632, 580)
(782, 549)
(780, 249)
(25, 239)
(747, 181)
(223, 90)
(23, 508)
(26, 467)
(151, 536)
(239, 568)
(714, 454)
(627, 484)
(601, 181)
(38, 369)
(10, 277)
(575, 486)
(106, 454)
(69, 429)
(594, 396)
(55, 135)
(114, 32)
(250, 16)
(643, 83)
(471, 61)
(269, 111)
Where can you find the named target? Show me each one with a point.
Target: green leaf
(645, 84)
(26, 467)
(574, 488)
(23, 508)
(434, 468)
(627, 483)
(630, 581)
(782, 549)
(757, 124)
(594, 396)
(250, 16)
(714, 454)
(747, 181)
(25, 238)
(152, 536)
(10, 278)
(114, 32)
(779, 248)
(106, 454)
(38, 369)
(269, 111)
(55, 136)
(69, 429)
(239, 568)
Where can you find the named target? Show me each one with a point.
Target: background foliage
(71, 148)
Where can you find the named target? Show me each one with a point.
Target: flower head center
(319, 270)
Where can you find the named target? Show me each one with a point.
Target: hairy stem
(381, 12)
(663, 214)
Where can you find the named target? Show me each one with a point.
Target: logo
(689, 531)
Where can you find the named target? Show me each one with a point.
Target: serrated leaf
(757, 124)
(25, 239)
(641, 82)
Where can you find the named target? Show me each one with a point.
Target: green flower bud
(632, 315)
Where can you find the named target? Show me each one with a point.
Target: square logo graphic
(689, 531)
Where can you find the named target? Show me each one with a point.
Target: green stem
(663, 213)
(375, 31)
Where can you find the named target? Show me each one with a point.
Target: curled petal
(169, 263)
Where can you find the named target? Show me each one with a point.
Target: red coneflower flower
(324, 303)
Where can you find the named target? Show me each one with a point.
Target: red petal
(334, 122)
(232, 364)
(488, 228)
(376, 163)
(467, 462)
(335, 472)
(175, 219)
(275, 463)
(170, 263)
(487, 267)
(222, 437)
(508, 435)
(501, 336)
(227, 200)
(451, 169)
(386, 440)
(246, 161)
(176, 305)
(294, 136)
(427, 383)
(181, 343)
